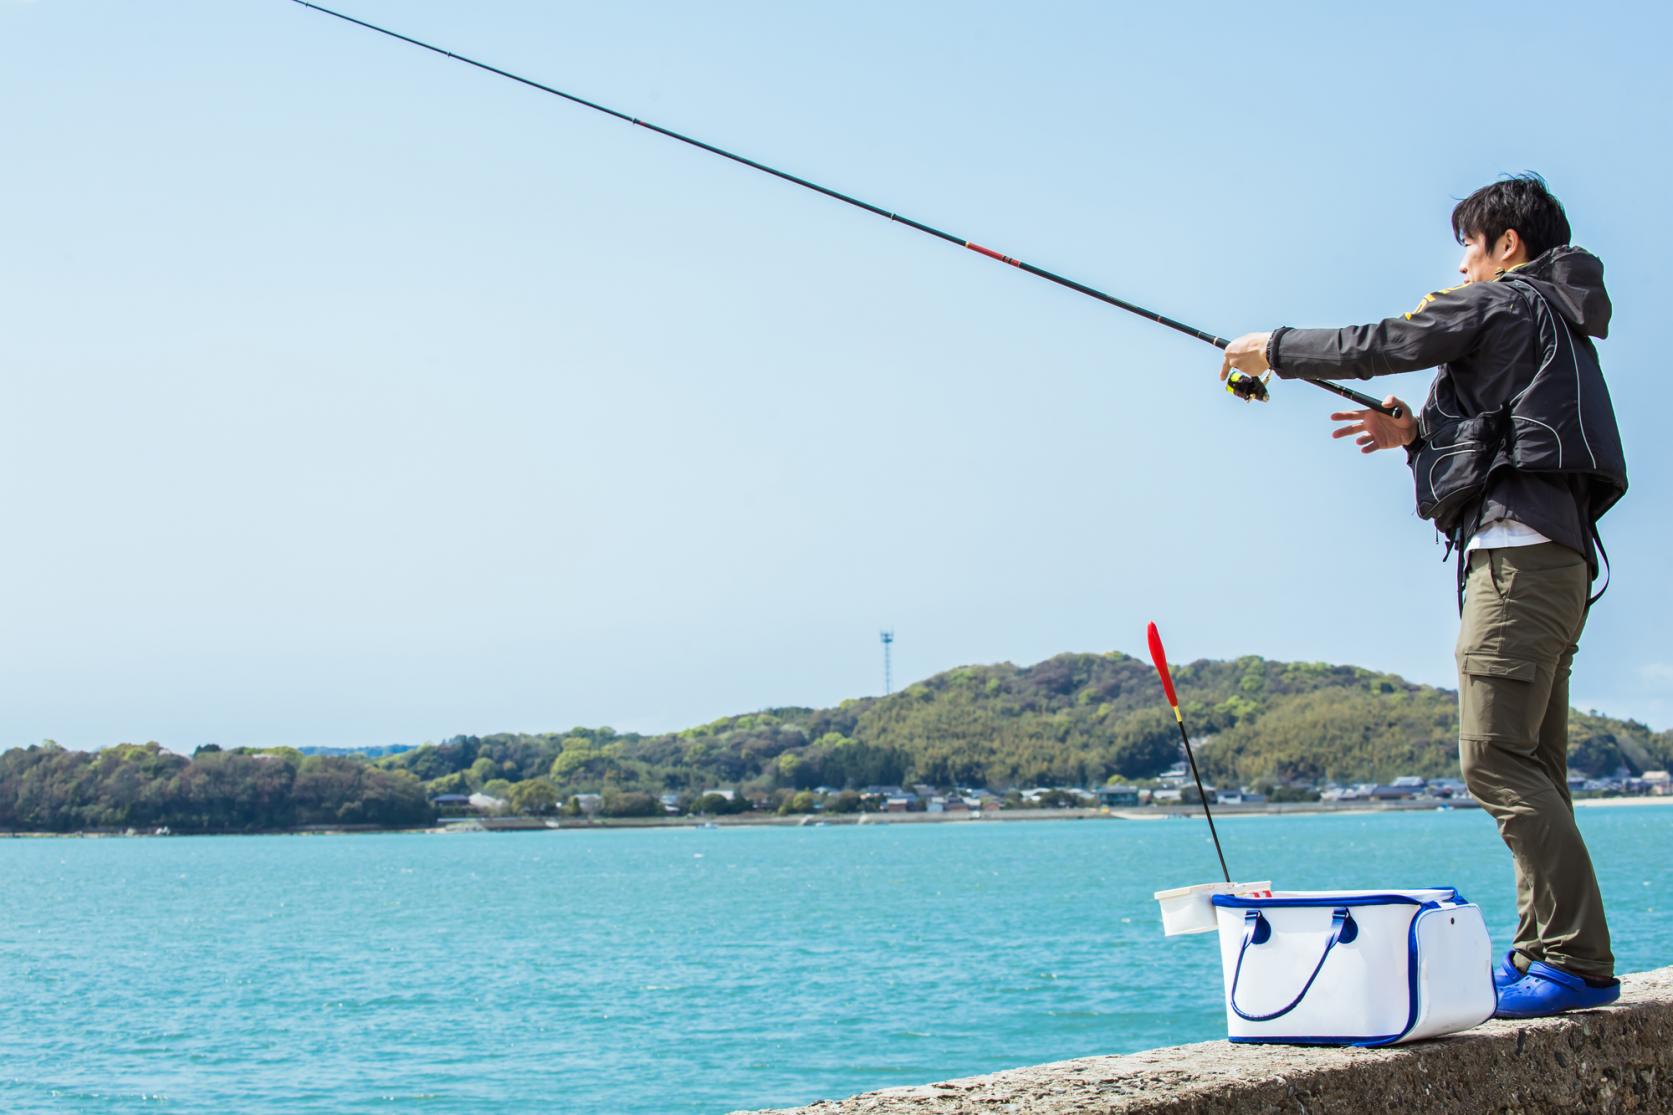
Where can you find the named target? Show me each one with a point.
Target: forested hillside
(1076, 719)
(46, 788)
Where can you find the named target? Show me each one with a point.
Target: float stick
(1038, 272)
(1160, 657)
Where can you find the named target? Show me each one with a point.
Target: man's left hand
(1373, 430)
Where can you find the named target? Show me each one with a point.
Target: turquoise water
(684, 970)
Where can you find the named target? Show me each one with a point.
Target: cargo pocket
(1499, 699)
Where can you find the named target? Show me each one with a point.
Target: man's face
(1478, 264)
(1482, 261)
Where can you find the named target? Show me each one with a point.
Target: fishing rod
(1160, 657)
(1246, 387)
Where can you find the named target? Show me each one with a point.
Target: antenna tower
(888, 638)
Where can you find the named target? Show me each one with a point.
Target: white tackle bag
(1354, 967)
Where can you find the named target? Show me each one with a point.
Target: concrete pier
(1618, 1059)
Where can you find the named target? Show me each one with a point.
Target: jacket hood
(1571, 280)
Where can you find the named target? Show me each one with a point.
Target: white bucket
(1188, 909)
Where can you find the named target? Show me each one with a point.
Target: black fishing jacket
(1518, 396)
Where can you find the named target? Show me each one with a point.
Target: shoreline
(814, 820)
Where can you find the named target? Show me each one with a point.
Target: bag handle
(1257, 931)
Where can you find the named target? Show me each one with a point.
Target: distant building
(1659, 782)
(1118, 795)
(949, 803)
(589, 803)
(1361, 792)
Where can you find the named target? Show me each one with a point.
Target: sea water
(666, 970)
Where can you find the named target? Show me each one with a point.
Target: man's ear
(1508, 244)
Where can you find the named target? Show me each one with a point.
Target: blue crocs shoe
(1506, 972)
(1546, 990)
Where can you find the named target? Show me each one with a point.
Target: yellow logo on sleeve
(1428, 298)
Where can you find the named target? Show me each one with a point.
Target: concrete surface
(1618, 1059)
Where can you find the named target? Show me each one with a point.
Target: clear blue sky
(355, 396)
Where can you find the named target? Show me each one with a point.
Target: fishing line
(1246, 387)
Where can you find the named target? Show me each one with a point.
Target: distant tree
(455, 783)
(428, 761)
(793, 770)
(719, 804)
(481, 771)
(845, 802)
(336, 789)
(631, 804)
(534, 797)
(802, 801)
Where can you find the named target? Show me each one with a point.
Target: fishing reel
(1251, 389)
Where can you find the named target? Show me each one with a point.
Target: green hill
(1076, 719)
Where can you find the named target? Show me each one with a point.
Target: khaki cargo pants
(1524, 609)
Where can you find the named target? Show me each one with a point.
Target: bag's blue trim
(1380, 1040)
(1238, 902)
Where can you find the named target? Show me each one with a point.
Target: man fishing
(1515, 456)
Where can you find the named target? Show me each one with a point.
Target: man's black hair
(1518, 201)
